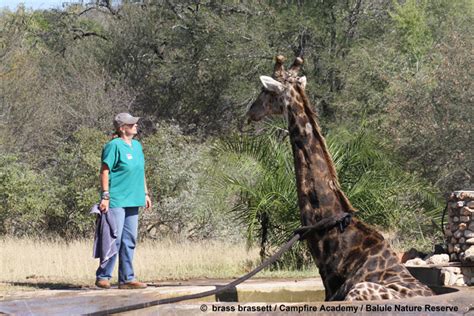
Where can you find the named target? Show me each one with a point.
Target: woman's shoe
(132, 285)
(103, 284)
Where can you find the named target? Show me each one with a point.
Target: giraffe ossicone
(355, 263)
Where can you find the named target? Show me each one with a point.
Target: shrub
(29, 199)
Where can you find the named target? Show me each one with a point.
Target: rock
(469, 254)
(453, 257)
(470, 204)
(448, 233)
(464, 218)
(460, 281)
(465, 247)
(457, 248)
(464, 195)
(469, 271)
(453, 278)
(471, 226)
(460, 204)
(415, 262)
(450, 220)
(466, 279)
(462, 226)
(468, 233)
(453, 205)
(467, 211)
(470, 241)
(438, 259)
(455, 219)
(458, 234)
(462, 240)
(455, 270)
(450, 248)
(447, 277)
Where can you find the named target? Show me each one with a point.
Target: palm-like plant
(376, 184)
(262, 173)
(265, 183)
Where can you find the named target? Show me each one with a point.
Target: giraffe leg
(369, 291)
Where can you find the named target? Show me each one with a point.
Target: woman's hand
(148, 204)
(104, 205)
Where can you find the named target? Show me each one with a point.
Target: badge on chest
(129, 156)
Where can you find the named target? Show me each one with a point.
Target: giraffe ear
(302, 81)
(271, 84)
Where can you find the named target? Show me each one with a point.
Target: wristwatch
(105, 195)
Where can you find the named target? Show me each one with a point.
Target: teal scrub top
(127, 172)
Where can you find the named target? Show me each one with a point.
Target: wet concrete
(256, 296)
(84, 301)
(458, 302)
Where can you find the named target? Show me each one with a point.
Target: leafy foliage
(384, 194)
(412, 27)
(401, 67)
(374, 182)
(29, 199)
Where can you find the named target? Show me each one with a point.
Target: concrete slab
(455, 303)
(83, 301)
(253, 297)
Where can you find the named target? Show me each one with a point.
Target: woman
(124, 190)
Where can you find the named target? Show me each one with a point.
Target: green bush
(29, 199)
(179, 179)
(77, 170)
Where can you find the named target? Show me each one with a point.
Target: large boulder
(438, 259)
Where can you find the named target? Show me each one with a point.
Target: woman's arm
(148, 204)
(104, 184)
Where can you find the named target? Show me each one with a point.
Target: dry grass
(26, 262)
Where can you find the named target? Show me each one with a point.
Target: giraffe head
(278, 91)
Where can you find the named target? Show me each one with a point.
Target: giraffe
(354, 260)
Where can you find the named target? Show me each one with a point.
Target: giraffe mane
(312, 116)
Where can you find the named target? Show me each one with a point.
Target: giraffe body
(354, 264)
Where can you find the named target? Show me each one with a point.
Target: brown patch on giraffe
(369, 242)
(392, 261)
(381, 264)
(376, 249)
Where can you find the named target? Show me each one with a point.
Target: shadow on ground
(45, 285)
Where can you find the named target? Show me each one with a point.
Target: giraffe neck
(319, 193)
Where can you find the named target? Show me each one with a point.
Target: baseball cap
(124, 118)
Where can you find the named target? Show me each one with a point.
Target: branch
(103, 4)
(98, 8)
(353, 18)
(107, 4)
(79, 34)
(303, 37)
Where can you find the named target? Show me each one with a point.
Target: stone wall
(459, 231)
